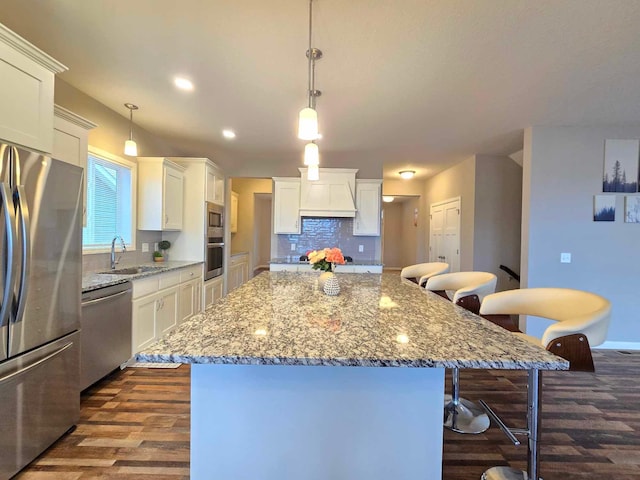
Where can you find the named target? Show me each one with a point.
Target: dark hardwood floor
(135, 425)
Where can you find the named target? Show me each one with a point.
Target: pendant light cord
(131, 124)
(311, 61)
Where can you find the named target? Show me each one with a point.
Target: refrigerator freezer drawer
(40, 401)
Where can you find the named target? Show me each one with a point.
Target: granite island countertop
(281, 318)
(95, 280)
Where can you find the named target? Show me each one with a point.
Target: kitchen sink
(131, 270)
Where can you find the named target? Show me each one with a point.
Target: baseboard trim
(610, 345)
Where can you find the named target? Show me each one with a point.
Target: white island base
(264, 422)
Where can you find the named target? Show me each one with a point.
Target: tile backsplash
(101, 261)
(319, 233)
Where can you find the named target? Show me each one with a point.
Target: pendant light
(311, 154)
(308, 117)
(130, 147)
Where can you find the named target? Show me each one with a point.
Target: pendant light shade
(308, 124)
(130, 147)
(311, 154)
(313, 173)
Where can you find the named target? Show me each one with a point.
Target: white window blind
(109, 203)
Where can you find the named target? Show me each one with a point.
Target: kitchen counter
(301, 380)
(94, 280)
(376, 320)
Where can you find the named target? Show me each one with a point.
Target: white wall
(563, 169)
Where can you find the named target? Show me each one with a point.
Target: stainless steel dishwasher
(105, 335)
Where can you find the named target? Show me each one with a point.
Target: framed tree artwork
(621, 158)
(631, 209)
(604, 208)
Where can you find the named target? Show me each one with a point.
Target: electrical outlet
(293, 247)
(360, 248)
(565, 258)
(145, 247)
(155, 247)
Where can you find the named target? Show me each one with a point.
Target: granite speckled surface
(281, 318)
(95, 280)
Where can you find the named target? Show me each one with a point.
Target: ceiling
(417, 84)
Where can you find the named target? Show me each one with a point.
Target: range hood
(330, 196)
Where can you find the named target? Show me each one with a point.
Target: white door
(444, 234)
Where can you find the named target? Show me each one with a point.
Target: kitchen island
(271, 398)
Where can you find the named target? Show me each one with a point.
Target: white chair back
(422, 271)
(575, 311)
(464, 284)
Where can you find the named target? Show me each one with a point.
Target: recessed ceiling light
(183, 83)
(407, 174)
(226, 133)
(387, 198)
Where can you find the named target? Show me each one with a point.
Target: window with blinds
(109, 202)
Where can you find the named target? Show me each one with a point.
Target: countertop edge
(96, 280)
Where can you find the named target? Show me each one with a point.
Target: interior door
(444, 235)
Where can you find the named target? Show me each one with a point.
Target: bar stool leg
(462, 415)
(534, 395)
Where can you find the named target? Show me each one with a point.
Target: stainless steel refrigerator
(40, 291)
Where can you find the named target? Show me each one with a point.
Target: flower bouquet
(325, 259)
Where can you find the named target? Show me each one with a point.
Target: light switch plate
(293, 247)
(565, 258)
(360, 248)
(145, 247)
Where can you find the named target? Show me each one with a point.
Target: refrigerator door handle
(26, 249)
(9, 221)
(23, 370)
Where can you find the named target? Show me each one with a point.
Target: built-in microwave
(215, 216)
(214, 247)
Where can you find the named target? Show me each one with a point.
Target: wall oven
(214, 250)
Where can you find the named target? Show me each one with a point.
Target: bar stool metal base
(504, 473)
(465, 417)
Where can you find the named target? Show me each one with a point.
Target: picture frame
(632, 209)
(621, 163)
(604, 208)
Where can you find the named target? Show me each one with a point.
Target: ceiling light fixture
(388, 198)
(407, 174)
(308, 117)
(313, 173)
(226, 133)
(130, 147)
(311, 154)
(183, 83)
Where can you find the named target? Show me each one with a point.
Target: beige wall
(457, 181)
(393, 242)
(243, 240)
(113, 127)
(498, 213)
(262, 232)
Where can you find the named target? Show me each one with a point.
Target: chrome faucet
(113, 251)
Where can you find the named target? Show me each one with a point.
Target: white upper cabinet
(71, 144)
(368, 197)
(286, 205)
(160, 194)
(26, 93)
(215, 185)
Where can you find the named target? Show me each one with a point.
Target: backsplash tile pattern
(319, 232)
(101, 261)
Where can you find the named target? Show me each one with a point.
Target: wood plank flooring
(135, 425)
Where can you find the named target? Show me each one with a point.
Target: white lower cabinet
(213, 291)
(161, 302)
(238, 271)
